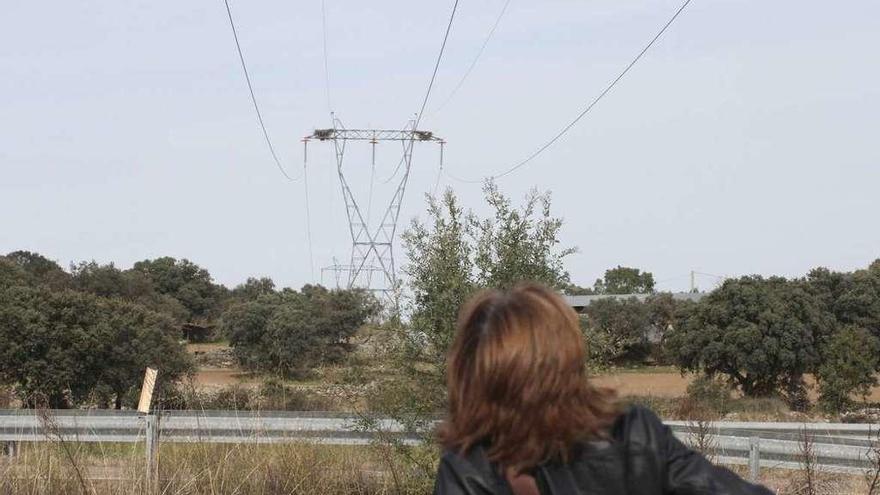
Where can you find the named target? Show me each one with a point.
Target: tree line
(760, 335)
(83, 336)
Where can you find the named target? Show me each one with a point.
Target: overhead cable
(436, 67)
(326, 65)
(475, 60)
(585, 111)
(308, 209)
(253, 97)
(431, 85)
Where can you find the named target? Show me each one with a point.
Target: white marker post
(152, 474)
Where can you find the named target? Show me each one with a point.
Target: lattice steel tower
(372, 250)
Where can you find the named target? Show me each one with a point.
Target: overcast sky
(746, 140)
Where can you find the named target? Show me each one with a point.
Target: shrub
(762, 334)
(711, 392)
(849, 360)
(275, 396)
(616, 330)
(290, 333)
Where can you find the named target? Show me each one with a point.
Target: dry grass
(785, 481)
(204, 469)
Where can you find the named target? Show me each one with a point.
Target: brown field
(662, 384)
(661, 381)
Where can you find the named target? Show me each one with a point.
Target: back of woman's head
(517, 379)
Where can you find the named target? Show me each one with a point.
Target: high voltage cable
(253, 97)
(308, 210)
(431, 85)
(427, 92)
(436, 67)
(326, 69)
(589, 107)
(476, 59)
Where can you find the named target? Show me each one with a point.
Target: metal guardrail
(838, 447)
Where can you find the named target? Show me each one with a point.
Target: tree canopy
(290, 332)
(455, 253)
(188, 283)
(763, 334)
(624, 280)
(65, 345)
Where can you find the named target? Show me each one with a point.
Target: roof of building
(584, 301)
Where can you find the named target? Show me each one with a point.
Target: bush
(275, 396)
(850, 359)
(232, 398)
(272, 395)
(616, 330)
(710, 392)
(761, 334)
(290, 333)
(5, 397)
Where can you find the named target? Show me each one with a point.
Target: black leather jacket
(642, 457)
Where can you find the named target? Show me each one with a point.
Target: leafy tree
(48, 338)
(109, 281)
(455, 253)
(625, 280)
(441, 278)
(616, 329)
(577, 290)
(134, 338)
(185, 281)
(761, 334)
(253, 288)
(11, 274)
(39, 269)
(449, 256)
(65, 345)
(518, 244)
(131, 285)
(850, 360)
(664, 313)
(244, 324)
(853, 298)
(291, 332)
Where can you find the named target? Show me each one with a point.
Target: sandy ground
(647, 383)
(221, 377)
(662, 382)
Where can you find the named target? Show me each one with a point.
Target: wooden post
(152, 474)
(11, 448)
(754, 459)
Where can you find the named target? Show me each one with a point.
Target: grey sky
(744, 142)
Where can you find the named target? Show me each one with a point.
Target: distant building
(652, 335)
(579, 303)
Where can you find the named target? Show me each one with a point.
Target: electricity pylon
(372, 249)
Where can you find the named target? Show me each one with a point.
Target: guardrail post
(754, 458)
(152, 474)
(11, 448)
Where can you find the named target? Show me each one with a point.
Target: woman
(524, 420)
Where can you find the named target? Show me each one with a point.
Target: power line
(399, 163)
(427, 92)
(308, 209)
(436, 66)
(476, 59)
(326, 68)
(396, 169)
(431, 85)
(253, 97)
(589, 107)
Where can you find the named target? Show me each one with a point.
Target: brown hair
(517, 380)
